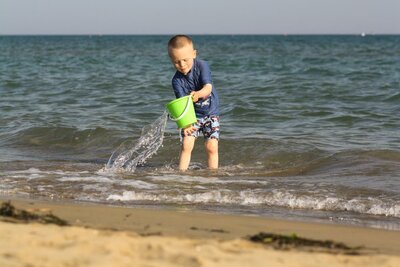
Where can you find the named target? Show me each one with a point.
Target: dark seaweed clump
(9, 211)
(293, 241)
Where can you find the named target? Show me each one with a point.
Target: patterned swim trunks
(209, 126)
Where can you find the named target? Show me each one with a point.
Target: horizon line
(191, 34)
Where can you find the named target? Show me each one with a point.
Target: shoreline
(216, 230)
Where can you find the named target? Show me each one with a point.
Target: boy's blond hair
(179, 41)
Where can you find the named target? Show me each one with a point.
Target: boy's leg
(212, 153)
(186, 152)
(211, 133)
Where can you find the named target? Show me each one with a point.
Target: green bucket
(181, 110)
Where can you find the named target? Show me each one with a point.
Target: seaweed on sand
(9, 211)
(293, 241)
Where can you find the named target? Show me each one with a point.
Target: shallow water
(309, 125)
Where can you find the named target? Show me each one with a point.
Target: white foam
(138, 184)
(367, 206)
(275, 198)
(184, 178)
(216, 196)
(32, 171)
(132, 195)
(43, 188)
(37, 173)
(95, 187)
(202, 180)
(98, 179)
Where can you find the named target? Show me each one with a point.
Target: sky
(199, 17)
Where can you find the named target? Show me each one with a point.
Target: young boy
(193, 76)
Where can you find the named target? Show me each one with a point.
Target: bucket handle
(184, 112)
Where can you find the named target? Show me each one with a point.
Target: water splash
(130, 153)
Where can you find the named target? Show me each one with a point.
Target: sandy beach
(99, 235)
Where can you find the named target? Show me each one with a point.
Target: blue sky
(199, 17)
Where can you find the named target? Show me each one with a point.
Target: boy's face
(182, 58)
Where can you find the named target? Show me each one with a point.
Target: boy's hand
(189, 130)
(195, 96)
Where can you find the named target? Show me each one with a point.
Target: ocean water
(309, 125)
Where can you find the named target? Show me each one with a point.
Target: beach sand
(100, 235)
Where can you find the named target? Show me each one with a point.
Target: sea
(310, 127)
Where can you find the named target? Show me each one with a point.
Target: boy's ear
(194, 53)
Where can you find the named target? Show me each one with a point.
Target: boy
(193, 76)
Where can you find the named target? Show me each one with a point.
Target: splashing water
(130, 154)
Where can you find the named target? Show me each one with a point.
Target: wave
(277, 198)
(62, 143)
(250, 156)
(60, 137)
(395, 98)
(229, 189)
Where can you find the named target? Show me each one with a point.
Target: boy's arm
(202, 93)
(205, 78)
(178, 90)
